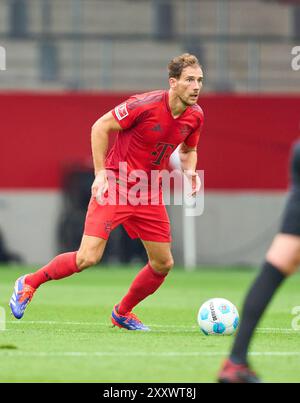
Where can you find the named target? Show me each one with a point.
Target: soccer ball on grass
(218, 316)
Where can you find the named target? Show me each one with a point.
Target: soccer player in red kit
(150, 126)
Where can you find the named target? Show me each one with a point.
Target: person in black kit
(282, 260)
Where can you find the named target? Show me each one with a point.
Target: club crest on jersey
(121, 111)
(185, 130)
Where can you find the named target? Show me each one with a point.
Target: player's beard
(186, 103)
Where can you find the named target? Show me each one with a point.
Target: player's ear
(172, 82)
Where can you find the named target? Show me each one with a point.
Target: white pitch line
(143, 354)
(166, 327)
(55, 322)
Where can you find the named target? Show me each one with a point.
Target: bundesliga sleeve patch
(121, 111)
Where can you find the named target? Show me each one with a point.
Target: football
(218, 316)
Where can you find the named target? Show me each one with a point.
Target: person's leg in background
(282, 260)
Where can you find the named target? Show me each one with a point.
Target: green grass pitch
(66, 335)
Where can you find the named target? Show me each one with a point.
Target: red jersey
(150, 133)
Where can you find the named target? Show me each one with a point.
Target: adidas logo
(157, 128)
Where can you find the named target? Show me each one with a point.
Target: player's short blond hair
(179, 63)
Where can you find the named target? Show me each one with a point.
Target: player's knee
(287, 266)
(284, 253)
(296, 165)
(163, 266)
(85, 260)
(294, 263)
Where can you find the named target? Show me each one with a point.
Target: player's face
(189, 85)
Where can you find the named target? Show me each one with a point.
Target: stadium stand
(89, 48)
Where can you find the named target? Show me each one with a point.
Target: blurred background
(69, 61)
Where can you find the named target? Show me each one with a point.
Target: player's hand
(194, 181)
(100, 185)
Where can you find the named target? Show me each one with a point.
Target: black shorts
(295, 166)
(291, 217)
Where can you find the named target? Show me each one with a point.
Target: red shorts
(147, 222)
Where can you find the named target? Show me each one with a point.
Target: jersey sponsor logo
(163, 150)
(121, 111)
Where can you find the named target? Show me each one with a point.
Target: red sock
(61, 266)
(146, 282)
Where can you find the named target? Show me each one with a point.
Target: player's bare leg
(148, 280)
(90, 251)
(160, 256)
(284, 253)
(64, 265)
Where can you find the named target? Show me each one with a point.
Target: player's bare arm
(100, 138)
(188, 162)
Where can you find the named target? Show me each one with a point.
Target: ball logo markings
(218, 316)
